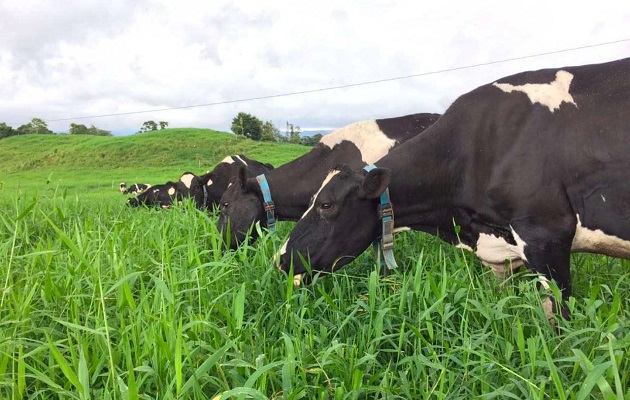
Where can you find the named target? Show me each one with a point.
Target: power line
(349, 85)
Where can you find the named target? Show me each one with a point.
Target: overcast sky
(72, 59)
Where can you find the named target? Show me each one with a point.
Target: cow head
(217, 181)
(122, 187)
(340, 224)
(241, 207)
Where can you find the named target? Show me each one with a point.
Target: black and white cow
(205, 190)
(135, 188)
(159, 196)
(210, 187)
(293, 184)
(527, 170)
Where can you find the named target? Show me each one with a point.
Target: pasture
(102, 301)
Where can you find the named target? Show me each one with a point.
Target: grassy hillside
(95, 165)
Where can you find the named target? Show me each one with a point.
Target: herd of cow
(522, 171)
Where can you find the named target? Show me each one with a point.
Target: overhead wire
(345, 86)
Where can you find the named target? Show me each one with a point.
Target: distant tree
(247, 125)
(6, 130)
(163, 125)
(78, 129)
(37, 126)
(92, 130)
(293, 132)
(311, 140)
(269, 132)
(149, 126)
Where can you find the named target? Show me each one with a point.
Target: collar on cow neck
(205, 196)
(267, 202)
(385, 244)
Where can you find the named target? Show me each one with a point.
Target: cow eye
(326, 206)
(225, 204)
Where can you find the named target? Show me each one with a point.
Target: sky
(115, 64)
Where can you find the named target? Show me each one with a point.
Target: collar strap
(267, 202)
(386, 214)
(205, 196)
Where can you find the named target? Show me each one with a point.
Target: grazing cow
(136, 188)
(524, 170)
(291, 186)
(205, 190)
(210, 187)
(158, 195)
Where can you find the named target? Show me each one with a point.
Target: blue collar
(386, 242)
(267, 202)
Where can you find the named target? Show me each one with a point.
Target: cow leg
(548, 253)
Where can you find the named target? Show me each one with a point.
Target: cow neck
(423, 190)
(385, 244)
(292, 185)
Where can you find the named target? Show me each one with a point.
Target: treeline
(253, 128)
(38, 126)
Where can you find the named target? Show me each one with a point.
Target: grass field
(98, 300)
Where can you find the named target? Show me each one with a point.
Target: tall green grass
(98, 300)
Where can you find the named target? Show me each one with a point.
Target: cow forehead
(366, 136)
(550, 95)
(239, 158)
(325, 182)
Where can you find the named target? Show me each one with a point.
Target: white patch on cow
(499, 255)
(240, 159)
(547, 304)
(283, 249)
(330, 175)
(186, 179)
(366, 135)
(297, 280)
(228, 160)
(550, 95)
(171, 191)
(461, 245)
(402, 229)
(597, 241)
(210, 183)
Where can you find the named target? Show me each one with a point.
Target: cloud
(101, 58)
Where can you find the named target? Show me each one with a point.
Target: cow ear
(242, 176)
(375, 183)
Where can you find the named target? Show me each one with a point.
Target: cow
(524, 170)
(158, 196)
(291, 185)
(211, 186)
(135, 188)
(205, 190)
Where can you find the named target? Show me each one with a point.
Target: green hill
(88, 164)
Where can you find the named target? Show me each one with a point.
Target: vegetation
(251, 127)
(149, 126)
(80, 129)
(38, 126)
(98, 300)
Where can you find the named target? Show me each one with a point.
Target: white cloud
(97, 58)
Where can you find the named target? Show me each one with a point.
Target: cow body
(524, 170)
(293, 184)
